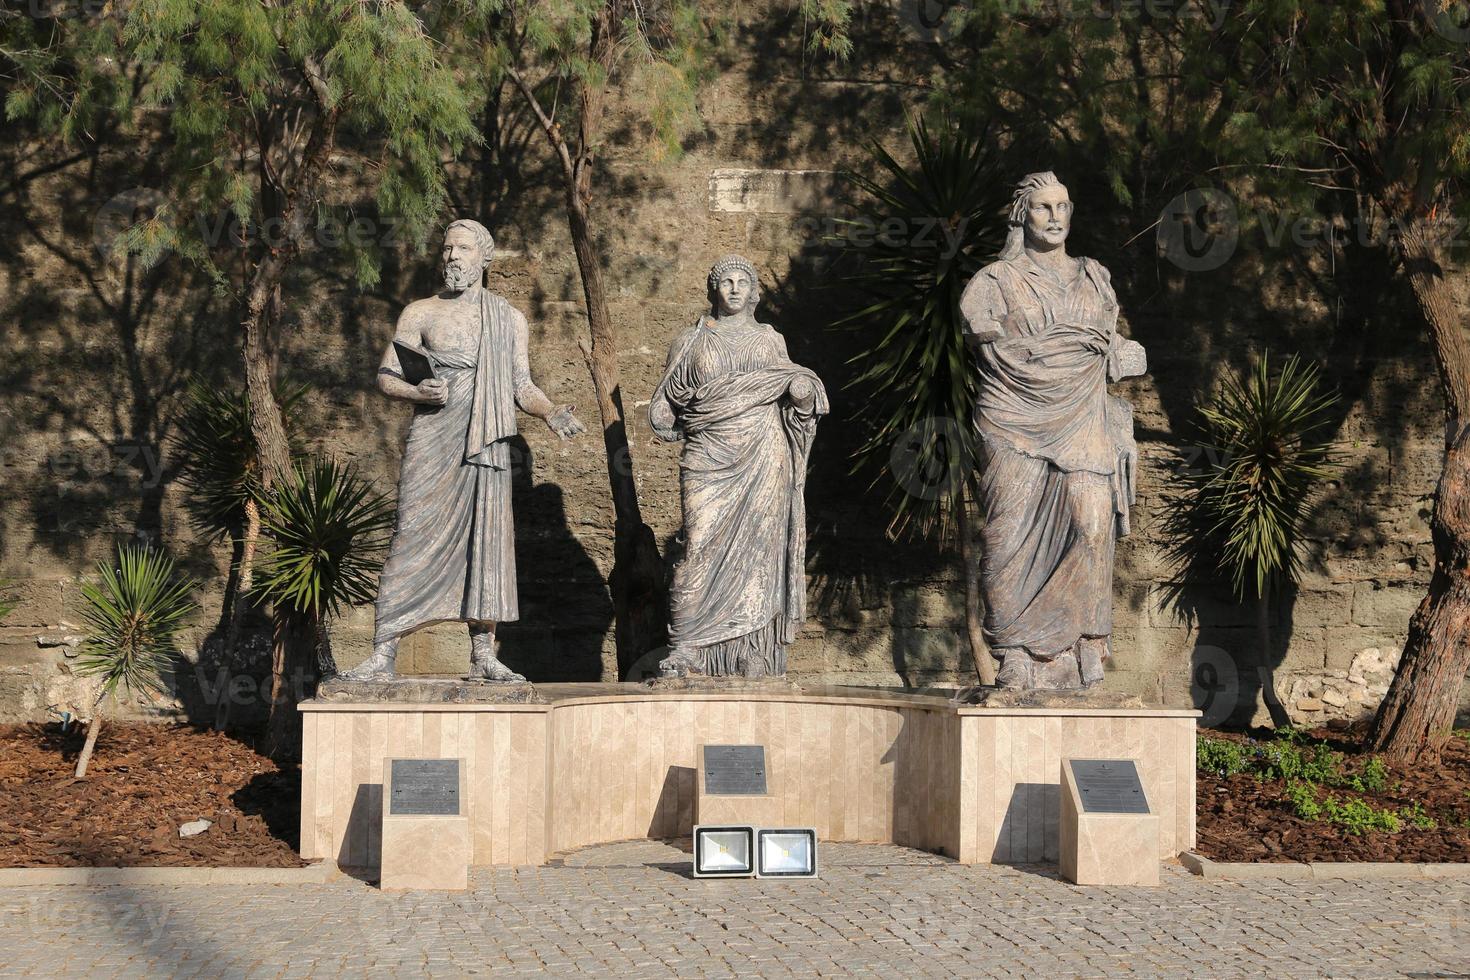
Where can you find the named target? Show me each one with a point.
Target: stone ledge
(312, 874)
(426, 689)
(1320, 870)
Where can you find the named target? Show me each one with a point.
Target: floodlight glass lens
(724, 850)
(786, 853)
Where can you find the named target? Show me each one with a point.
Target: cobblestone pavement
(631, 910)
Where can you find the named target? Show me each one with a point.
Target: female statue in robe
(1057, 455)
(747, 416)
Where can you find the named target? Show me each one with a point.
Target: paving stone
(631, 910)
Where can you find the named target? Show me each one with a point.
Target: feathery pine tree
(262, 104)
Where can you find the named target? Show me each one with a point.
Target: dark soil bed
(1244, 817)
(144, 782)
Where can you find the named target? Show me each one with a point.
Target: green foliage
(133, 617)
(245, 86)
(1244, 516)
(1415, 815)
(1303, 799)
(1291, 756)
(1316, 764)
(218, 463)
(329, 529)
(1222, 757)
(1354, 815)
(916, 378)
(1373, 778)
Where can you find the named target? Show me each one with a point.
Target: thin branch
(548, 125)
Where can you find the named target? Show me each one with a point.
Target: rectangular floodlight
(724, 852)
(789, 852)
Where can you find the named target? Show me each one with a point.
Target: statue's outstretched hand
(564, 423)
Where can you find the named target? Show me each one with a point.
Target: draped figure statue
(1057, 455)
(747, 416)
(452, 557)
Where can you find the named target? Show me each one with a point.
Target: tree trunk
(245, 578)
(1416, 716)
(94, 728)
(974, 614)
(293, 673)
(1279, 717)
(267, 421)
(637, 579)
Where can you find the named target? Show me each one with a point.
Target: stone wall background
(100, 351)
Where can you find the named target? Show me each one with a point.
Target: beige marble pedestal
(1106, 848)
(589, 763)
(422, 852)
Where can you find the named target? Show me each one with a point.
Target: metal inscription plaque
(425, 787)
(1109, 786)
(735, 770)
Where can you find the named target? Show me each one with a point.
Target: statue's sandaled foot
(1092, 651)
(379, 665)
(681, 662)
(493, 671)
(1015, 670)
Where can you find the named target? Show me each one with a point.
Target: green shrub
(1355, 816)
(1416, 815)
(1222, 756)
(1373, 778)
(1303, 800)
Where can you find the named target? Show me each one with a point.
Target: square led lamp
(788, 852)
(724, 852)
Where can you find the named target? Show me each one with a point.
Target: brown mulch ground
(144, 782)
(1242, 818)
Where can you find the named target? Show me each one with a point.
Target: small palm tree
(329, 528)
(219, 467)
(917, 378)
(133, 617)
(1243, 516)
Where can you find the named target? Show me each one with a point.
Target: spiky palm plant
(329, 528)
(133, 616)
(917, 378)
(1242, 517)
(219, 467)
(218, 462)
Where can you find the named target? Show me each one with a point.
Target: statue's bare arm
(531, 399)
(390, 373)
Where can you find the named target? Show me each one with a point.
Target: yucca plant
(1267, 438)
(219, 467)
(329, 528)
(917, 379)
(133, 616)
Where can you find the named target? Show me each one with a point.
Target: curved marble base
(590, 763)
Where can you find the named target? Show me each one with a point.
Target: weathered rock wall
(100, 350)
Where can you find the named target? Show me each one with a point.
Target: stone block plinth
(1102, 848)
(424, 851)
